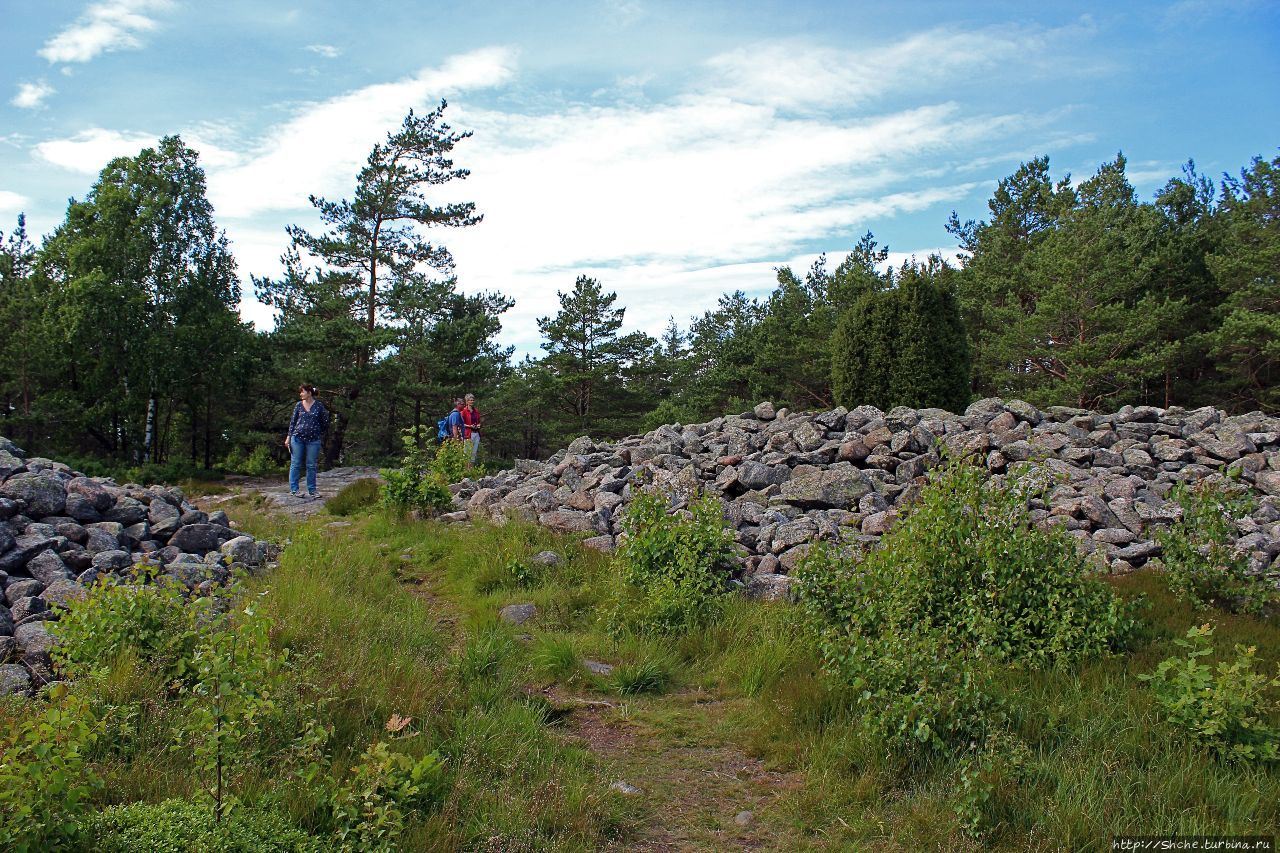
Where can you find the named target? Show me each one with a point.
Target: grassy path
(724, 720)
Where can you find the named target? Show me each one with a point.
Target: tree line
(122, 339)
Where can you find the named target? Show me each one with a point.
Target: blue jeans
(475, 445)
(297, 449)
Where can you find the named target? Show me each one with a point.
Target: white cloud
(32, 95)
(104, 27)
(90, 150)
(669, 203)
(11, 202)
(322, 147)
(328, 51)
(624, 12)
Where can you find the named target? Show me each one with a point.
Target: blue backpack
(444, 426)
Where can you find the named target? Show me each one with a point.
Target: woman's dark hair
(308, 387)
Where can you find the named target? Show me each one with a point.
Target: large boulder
(93, 493)
(197, 538)
(839, 487)
(61, 593)
(48, 567)
(23, 549)
(242, 549)
(14, 680)
(43, 492)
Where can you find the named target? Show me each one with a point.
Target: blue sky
(674, 150)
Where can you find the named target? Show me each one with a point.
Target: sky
(675, 151)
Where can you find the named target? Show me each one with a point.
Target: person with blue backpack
(452, 425)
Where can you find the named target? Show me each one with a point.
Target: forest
(123, 344)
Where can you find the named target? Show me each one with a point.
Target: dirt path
(276, 490)
(700, 790)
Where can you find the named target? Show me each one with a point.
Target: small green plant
(511, 574)
(963, 581)
(1225, 709)
(235, 675)
(149, 620)
(649, 675)
(180, 826)
(1002, 760)
(354, 497)
(675, 568)
(556, 657)
(450, 461)
(483, 654)
(369, 811)
(1200, 564)
(422, 480)
(45, 782)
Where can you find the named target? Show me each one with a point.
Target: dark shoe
(312, 496)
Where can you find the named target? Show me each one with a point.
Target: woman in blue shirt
(306, 430)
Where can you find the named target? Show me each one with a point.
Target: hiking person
(471, 425)
(452, 426)
(307, 427)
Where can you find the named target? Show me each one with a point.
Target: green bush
(1199, 561)
(230, 695)
(369, 812)
(1226, 710)
(675, 568)
(180, 826)
(354, 497)
(963, 581)
(45, 782)
(149, 620)
(259, 463)
(422, 480)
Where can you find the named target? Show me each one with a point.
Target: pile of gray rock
(61, 531)
(787, 479)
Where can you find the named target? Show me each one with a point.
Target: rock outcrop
(61, 532)
(788, 479)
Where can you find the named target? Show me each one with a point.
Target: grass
(354, 497)
(1101, 762)
(387, 616)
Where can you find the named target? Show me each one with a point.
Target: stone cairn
(61, 531)
(788, 479)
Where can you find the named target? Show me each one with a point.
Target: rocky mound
(788, 479)
(61, 531)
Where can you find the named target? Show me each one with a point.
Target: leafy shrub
(149, 620)
(422, 480)
(260, 462)
(179, 826)
(354, 497)
(990, 768)
(234, 677)
(1200, 564)
(45, 783)
(369, 811)
(962, 581)
(675, 568)
(450, 462)
(1225, 710)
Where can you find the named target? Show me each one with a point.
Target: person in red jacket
(471, 425)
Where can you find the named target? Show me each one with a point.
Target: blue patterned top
(309, 426)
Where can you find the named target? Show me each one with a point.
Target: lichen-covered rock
(43, 493)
